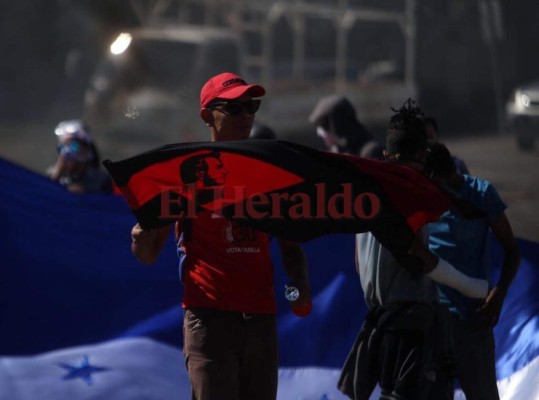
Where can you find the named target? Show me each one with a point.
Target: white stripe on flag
(141, 368)
(127, 369)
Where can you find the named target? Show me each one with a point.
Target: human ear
(206, 116)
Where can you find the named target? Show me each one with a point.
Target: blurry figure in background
(336, 122)
(78, 167)
(433, 134)
(465, 244)
(261, 131)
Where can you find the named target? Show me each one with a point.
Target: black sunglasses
(236, 107)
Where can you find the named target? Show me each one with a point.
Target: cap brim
(238, 91)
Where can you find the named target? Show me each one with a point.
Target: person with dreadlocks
(402, 340)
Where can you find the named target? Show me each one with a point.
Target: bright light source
(525, 100)
(121, 43)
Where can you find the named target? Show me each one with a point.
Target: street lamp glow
(525, 100)
(121, 43)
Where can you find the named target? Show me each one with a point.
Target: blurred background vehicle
(457, 58)
(522, 114)
(144, 91)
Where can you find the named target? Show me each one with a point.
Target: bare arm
(146, 245)
(504, 234)
(420, 249)
(295, 265)
(444, 273)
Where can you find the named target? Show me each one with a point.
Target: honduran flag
(282, 188)
(81, 319)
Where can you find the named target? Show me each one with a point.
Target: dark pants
(404, 373)
(474, 348)
(476, 360)
(396, 348)
(230, 355)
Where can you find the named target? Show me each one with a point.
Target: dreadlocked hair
(407, 134)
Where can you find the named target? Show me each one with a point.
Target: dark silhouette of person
(336, 122)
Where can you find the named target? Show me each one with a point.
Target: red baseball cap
(227, 86)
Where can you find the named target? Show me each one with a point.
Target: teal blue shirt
(464, 243)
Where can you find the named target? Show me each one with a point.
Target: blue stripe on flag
(68, 279)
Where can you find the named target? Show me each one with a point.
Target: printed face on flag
(206, 179)
(281, 188)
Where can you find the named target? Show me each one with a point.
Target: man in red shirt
(230, 333)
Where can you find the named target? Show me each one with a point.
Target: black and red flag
(282, 188)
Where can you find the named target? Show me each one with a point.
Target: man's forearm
(444, 273)
(448, 275)
(295, 264)
(147, 244)
(145, 253)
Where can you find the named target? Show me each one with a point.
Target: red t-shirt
(226, 266)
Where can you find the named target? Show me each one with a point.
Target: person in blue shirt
(465, 245)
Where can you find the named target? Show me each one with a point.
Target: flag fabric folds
(80, 319)
(282, 188)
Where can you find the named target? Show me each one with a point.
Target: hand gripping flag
(285, 189)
